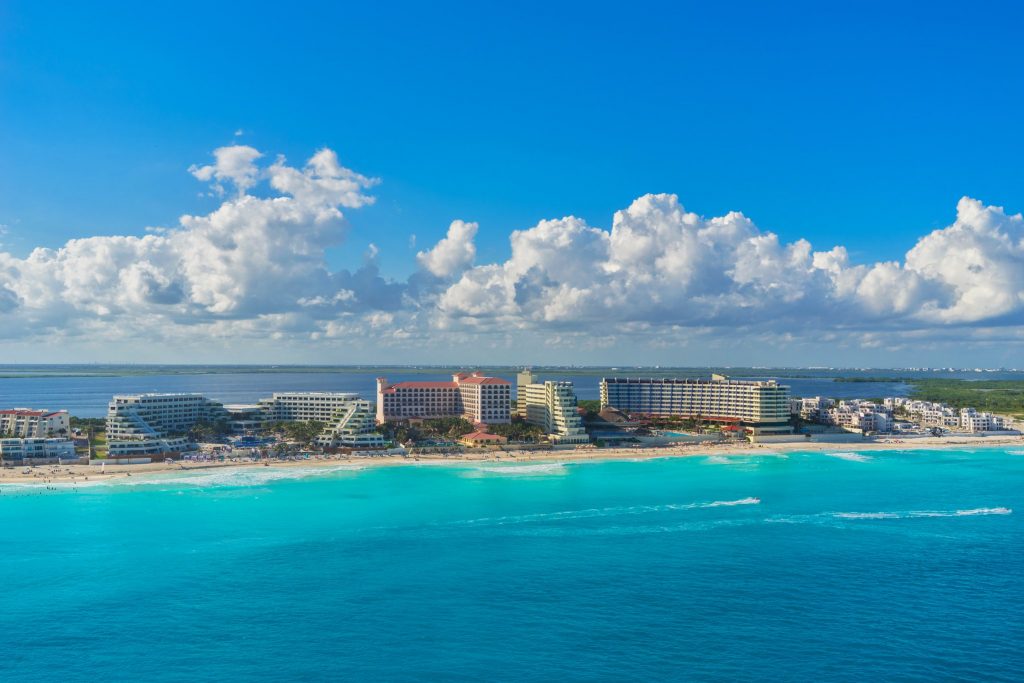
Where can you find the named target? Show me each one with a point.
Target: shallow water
(895, 566)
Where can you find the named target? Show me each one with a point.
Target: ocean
(896, 566)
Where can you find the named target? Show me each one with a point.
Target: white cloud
(662, 265)
(451, 255)
(235, 164)
(250, 257)
(255, 269)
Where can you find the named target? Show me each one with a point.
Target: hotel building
(153, 424)
(762, 405)
(348, 419)
(27, 423)
(552, 407)
(477, 398)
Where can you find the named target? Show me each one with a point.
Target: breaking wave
(847, 455)
(550, 468)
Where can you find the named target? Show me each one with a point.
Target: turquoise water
(897, 566)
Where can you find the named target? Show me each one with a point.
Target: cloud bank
(255, 269)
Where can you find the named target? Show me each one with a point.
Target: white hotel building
(349, 420)
(762, 405)
(551, 406)
(154, 424)
(27, 423)
(477, 398)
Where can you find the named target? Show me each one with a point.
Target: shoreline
(52, 474)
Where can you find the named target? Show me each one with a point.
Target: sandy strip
(42, 474)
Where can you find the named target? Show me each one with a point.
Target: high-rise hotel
(153, 424)
(762, 405)
(473, 396)
(551, 406)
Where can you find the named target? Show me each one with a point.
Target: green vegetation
(590, 407)
(442, 428)
(205, 431)
(98, 444)
(518, 430)
(1005, 397)
(88, 424)
(303, 432)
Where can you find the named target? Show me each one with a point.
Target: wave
(518, 470)
(220, 478)
(618, 511)
(729, 503)
(847, 455)
(1015, 452)
(913, 514)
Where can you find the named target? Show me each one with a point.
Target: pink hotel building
(479, 399)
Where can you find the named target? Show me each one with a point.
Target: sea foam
(847, 455)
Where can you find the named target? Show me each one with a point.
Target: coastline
(78, 473)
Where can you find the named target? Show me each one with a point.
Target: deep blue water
(898, 566)
(87, 396)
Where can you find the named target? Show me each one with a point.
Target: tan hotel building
(473, 396)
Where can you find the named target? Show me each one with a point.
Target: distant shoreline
(46, 474)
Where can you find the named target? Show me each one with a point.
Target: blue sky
(859, 125)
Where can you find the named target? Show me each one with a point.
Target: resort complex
(475, 410)
(762, 406)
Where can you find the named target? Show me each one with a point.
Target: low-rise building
(552, 406)
(473, 396)
(814, 409)
(482, 438)
(36, 450)
(973, 421)
(26, 422)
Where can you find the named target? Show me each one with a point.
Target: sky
(671, 183)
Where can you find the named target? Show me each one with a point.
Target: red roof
(423, 385)
(26, 413)
(483, 436)
(484, 380)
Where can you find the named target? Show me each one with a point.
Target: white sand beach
(43, 474)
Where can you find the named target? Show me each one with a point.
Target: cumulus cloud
(451, 255)
(662, 265)
(234, 164)
(255, 268)
(250, 257)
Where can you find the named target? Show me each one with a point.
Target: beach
(43, 474)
